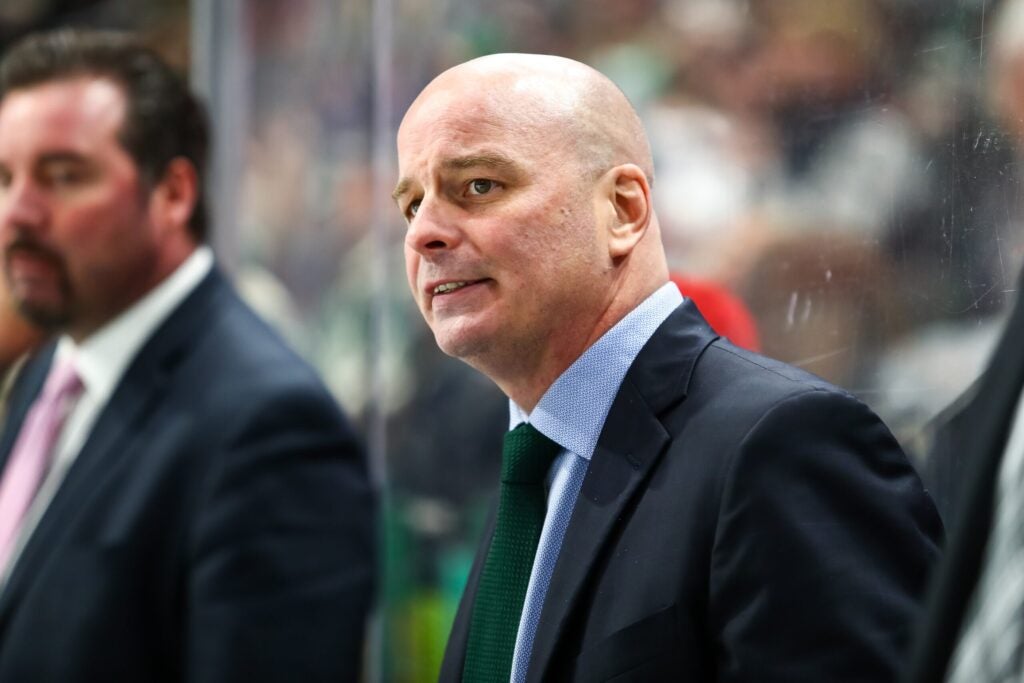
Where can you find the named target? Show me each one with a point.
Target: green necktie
(526, 458)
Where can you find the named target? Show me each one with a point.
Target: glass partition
(837, 183)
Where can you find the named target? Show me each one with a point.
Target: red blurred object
(727, 315)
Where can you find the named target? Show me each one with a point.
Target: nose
(433, 230)
(21, 206)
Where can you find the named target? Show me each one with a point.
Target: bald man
(709, 514)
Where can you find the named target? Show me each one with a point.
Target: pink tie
(30, 457)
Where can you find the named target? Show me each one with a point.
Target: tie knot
(63, 381)
(527, 455)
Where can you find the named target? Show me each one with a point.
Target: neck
(168, 262)
(526, 389)
(532, 371)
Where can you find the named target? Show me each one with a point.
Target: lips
(24, 247)
(449, 286)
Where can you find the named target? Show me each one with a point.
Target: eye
(480, 186)
(63, 175)
(414, 206)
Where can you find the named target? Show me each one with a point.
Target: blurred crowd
(845, 168)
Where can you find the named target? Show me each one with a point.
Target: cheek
(77, 227)
(570, 235)
(100, 233)
(412, 266)
(100, 215)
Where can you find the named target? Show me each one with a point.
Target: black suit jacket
(216, 525)
(741, 520)
(967, 458)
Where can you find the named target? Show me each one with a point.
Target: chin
(456, 348)
(461, 343)
(48, 318)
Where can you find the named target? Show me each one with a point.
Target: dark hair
(163, 119)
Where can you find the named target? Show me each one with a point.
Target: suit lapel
(632, 441)
(138, 393)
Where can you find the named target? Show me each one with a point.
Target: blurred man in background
(973, 631)
(672, 507)
(180, 497)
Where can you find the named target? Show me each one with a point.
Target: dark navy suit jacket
(741, 520)
(217, 525)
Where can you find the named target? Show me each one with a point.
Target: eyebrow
(486, 160)
(61, 158)
(401, 188)
(49, 157)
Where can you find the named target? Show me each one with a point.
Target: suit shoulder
(725, 367)
(737, 400)
(236, 371)
(242, 345)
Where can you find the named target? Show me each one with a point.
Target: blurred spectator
(826, 75)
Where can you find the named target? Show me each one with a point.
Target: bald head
(575, 104)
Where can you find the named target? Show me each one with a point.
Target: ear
(630, 197)
(174, 197)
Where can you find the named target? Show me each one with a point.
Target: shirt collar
(573, 409)
(104, 356)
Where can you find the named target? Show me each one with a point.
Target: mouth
(29, 265)
(25, 249)
(453, 286)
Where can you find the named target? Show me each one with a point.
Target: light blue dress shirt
(572, 413)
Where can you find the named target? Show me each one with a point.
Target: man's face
(503, 252)
(77, 243)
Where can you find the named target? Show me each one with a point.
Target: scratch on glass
(821, 356)
(792, 310)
